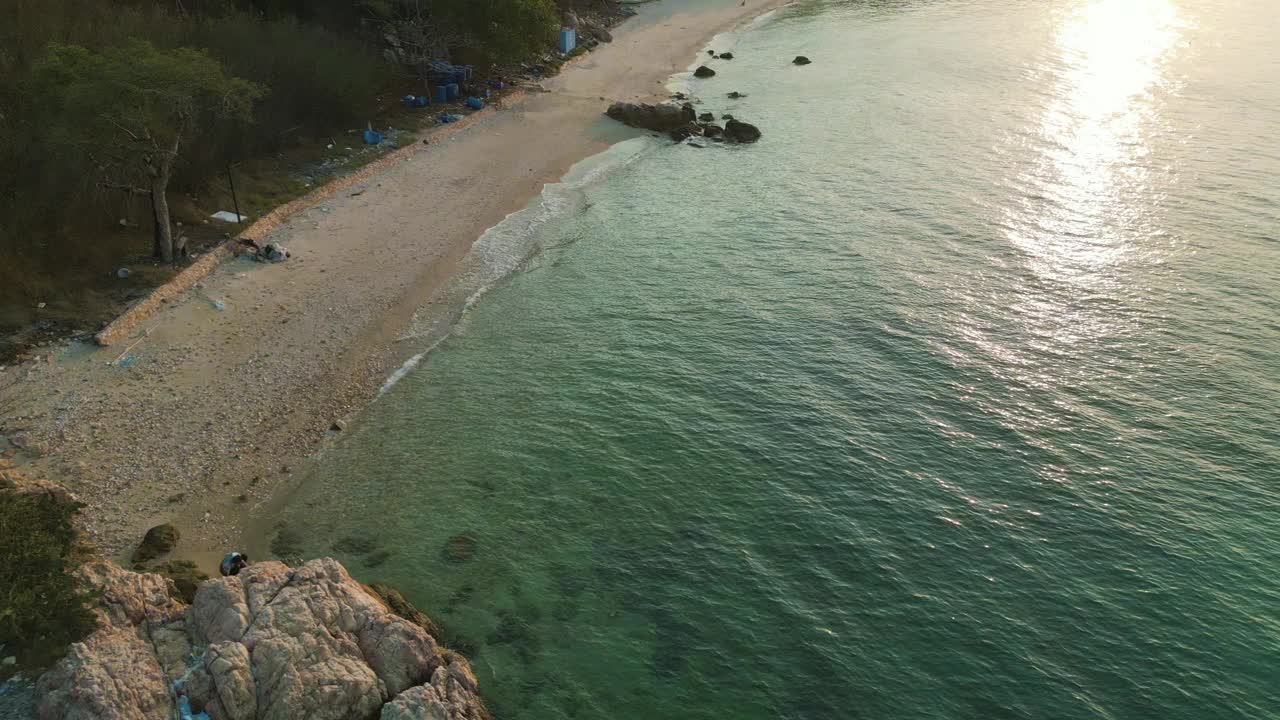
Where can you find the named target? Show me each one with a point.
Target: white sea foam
(507, 247)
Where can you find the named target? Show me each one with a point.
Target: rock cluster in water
(680, 122)
(271, 642)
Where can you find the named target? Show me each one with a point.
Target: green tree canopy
(130, 109)
(508, 30)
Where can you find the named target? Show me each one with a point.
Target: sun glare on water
(1109, 55)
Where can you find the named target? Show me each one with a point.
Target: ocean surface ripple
(958, 396)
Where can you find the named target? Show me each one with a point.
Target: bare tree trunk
(164, 233)
(160, 205)
(157, 242)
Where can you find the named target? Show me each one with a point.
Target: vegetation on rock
(42, 608)
(186, 577)
(158, 541)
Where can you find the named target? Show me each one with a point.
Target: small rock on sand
(158, 541)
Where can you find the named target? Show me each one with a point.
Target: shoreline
(240, 382)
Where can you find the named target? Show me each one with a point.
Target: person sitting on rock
(233, 563)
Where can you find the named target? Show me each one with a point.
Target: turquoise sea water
(958, 396)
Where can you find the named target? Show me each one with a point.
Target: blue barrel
(453, 91)
(442, 93)
(568, 40)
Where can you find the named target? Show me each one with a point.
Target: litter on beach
(229, 217)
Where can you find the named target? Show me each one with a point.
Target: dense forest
(104, 101)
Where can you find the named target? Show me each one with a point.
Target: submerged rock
(460, 548)
(706, 117)
(801, 60)
(704, 72)
(662, 118)
(735, 95)
(726, 56)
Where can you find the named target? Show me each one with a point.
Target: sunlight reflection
(1087, 189)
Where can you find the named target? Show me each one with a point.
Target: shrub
(42, 609)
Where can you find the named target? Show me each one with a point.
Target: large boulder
(801, 60)
(446, 697)
(112, 675)
(234, 692)
(271, 643)
(704, 72)
(123, 669)
(738, 131)
(663, 117)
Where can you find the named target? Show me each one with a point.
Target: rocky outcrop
(663, 117)
(704, 72)
(738, 131)
(681, 122)
(271, 643)
(121, 671)
(441, 699)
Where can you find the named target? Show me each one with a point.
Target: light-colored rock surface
(444, 698)
(272, 643)
(231, 672)
(118, 672)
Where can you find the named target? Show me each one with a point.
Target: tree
(131, 109)
(509, 30)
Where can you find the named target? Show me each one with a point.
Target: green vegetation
(186, 577)
(158, 541)
(42, 610)
(114, 113)
(147, 104)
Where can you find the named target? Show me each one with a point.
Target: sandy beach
(221, 410)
